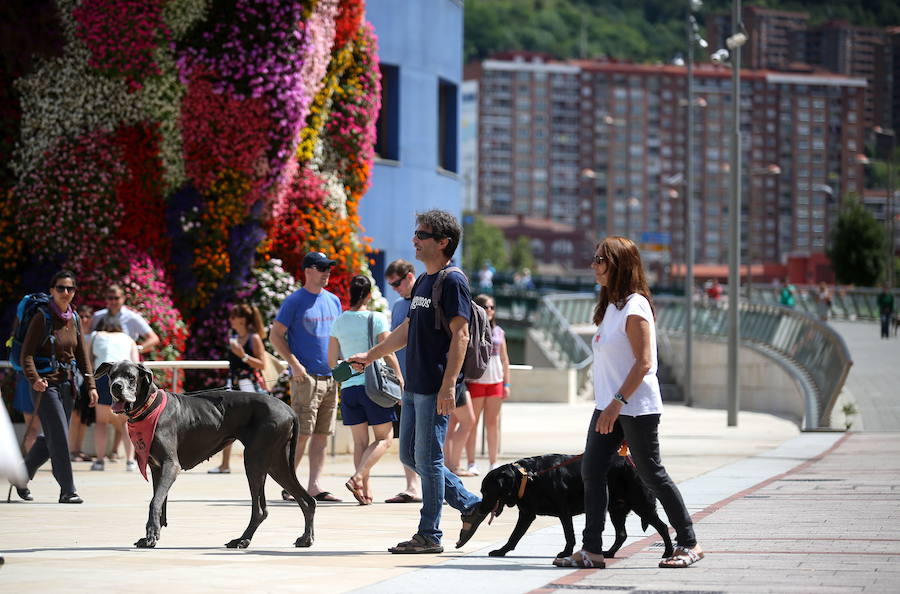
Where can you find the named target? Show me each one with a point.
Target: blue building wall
(424, 39)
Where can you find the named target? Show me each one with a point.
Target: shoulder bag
(382, 384)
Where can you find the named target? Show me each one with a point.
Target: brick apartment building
(600, 146)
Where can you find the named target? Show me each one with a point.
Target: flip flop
(326, 497)
(357, 491)
(403, 498)
(683, 557)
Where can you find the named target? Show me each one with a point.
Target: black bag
(382, 384)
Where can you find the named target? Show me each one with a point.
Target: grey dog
(192, 428)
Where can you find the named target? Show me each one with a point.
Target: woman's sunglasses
(64, 289)
(598, 259)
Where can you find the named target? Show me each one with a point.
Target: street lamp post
(734, 43)
(769, 170)
(889, 146)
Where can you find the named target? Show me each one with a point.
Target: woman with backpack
(48, 359)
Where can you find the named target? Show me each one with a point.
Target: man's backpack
(30, 305)
(481, 344)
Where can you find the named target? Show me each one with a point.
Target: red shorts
(485, 390)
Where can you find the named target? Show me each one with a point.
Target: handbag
(271, 371)
(382, 384)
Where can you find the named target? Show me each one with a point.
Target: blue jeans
(422, 432)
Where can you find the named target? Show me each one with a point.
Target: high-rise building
(600, 145)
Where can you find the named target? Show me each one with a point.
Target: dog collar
(133, 415)
(524, 483)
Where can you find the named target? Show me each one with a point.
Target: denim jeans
(642, 436)
(422, 432)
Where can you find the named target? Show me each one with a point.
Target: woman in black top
(246, 359)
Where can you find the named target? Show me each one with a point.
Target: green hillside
(639, 30)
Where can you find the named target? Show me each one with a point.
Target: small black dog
(551, 485)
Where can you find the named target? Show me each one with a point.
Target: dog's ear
(102, 370)
(146, 376)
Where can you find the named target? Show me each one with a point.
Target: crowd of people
(424, 343)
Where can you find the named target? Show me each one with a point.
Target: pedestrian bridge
(790, 363)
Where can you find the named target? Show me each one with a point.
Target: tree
(482, 242)
(858, 247)
(521, 256)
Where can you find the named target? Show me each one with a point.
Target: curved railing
(797, 339)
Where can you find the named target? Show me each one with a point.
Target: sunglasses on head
(423, 235)
(396, 283)
(64, 288)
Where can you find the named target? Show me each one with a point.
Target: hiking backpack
(30, 305)
(481, 344)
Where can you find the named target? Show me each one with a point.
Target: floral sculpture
(192, 150)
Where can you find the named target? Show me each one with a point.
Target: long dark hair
(250, 313)
(624, 275)
(360, 289)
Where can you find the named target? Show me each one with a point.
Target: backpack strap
(440, 320)
(371, 329)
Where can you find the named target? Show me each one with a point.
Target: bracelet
(506, 385)
(618, 396)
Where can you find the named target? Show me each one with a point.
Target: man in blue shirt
(433, 363)
(300, 335)
(401, 276)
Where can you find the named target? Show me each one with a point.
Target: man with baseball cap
(300, 335)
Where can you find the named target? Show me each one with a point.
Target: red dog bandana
(141, 433)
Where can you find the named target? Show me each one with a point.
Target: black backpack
(481, 344)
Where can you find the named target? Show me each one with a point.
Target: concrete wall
(765, 386)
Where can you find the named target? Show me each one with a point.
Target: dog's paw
(609, 554)
(145, 543)
(303, 542)
(238, 543)
(668, 552)
(498, 553)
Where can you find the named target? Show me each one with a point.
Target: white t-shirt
(132, 323)
(613, 359)
(111, 347)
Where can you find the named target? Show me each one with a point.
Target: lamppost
(886, 143)
(734, 43)
(769, 170)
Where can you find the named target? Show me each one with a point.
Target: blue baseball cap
(317, 260)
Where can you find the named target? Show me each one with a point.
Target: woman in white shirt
(110, 345)
(629, 404)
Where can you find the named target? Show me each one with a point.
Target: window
(387, 143)
(448, 126)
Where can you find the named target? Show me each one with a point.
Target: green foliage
(521, 256)
(857, 251)
(483, 242)
(639, 30)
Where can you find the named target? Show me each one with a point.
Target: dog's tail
(295, 436)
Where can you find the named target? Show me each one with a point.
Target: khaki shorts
(314, 399)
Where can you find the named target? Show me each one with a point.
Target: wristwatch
(618, 396)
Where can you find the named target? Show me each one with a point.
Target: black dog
(191, 429)
(551, 485)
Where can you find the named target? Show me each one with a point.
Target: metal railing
(793, 337)
(846, 303)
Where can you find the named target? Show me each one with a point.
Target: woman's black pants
(53, 443)
(642, 436)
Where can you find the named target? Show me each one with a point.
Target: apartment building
(600, 145)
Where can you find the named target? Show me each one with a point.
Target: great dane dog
(192, 428)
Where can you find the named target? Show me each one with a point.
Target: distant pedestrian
(300, 335)
(629, 403)
(133, 324)
(885, 301)
(714, 293)
(486, 278)
(787, 296)
(823, 302)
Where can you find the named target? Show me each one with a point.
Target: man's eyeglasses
(598, 259)
(423, 235)
(113, 297)
(396, 284)
(64, 289)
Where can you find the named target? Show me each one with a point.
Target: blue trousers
(52, 444)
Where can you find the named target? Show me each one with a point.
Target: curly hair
(444, 225)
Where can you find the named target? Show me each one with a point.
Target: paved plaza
(776, 510)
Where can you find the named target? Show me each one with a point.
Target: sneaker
(496, 465)
(97, 465)
(130, 466)
(473, 468)
(218, 470)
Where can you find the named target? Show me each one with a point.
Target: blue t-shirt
(352, 332)
(399, 311)
(426, 346)
(308, 318)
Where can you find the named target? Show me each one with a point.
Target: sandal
(682, 557)
(580, 559)
(356, 490)
(416, 545)
(79, 457)
(403, 498)
(472, 519)
(287, 496)
(326, 497)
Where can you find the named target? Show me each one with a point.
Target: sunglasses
(490, 307)
(64, 289)
(423, 235)
(113, 297)
(396, 283)
(598, 259)
(322, 268)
